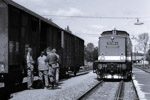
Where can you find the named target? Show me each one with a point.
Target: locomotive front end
(112, 56)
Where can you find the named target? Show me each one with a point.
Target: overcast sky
(89, 28)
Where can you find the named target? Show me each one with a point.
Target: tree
(143, 42)
(90, 52)
(50, 20)
(90, 47)
(148, 56)
(68, 29)
(95, 53)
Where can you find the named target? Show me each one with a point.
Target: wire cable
(97, 17)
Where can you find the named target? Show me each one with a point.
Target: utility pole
(149, 54)
(135, 52)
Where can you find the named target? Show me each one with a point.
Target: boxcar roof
(10, 2)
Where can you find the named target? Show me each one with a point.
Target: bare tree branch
(143, 41)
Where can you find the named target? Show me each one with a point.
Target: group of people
(48, 67)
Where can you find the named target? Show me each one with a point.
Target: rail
(142, 69)
(89, 92)
(120, 91)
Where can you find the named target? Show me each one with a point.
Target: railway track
(143, 69)
(120, 91)
(111, 91)
(137, 96)
(118, 96)
(88, 93)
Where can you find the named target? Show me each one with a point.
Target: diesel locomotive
(21, 28)
(114, 55)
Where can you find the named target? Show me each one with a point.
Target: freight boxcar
(21, 28)
(114, 55)
(72, 53)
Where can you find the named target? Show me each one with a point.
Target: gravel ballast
(69, 89)
(129, 93)
(73, 88)
(106, 92)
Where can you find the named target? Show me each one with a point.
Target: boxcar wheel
(99, 77)
(5, 95)
(129, 78)
(9, 81)
(19, 79)
(9, 85)
(75, 73)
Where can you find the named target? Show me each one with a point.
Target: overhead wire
(97, 17)
(98, 34)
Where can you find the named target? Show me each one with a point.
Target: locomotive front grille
(112, 68)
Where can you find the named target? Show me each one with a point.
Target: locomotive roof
(10, 2)
(118, 32)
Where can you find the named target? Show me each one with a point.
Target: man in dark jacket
(52, 62)
(57, 68)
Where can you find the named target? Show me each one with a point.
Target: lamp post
(149, 54)
(134, 48)
(136, 57)
(135, 53)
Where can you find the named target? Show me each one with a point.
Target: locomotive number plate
(112, 43)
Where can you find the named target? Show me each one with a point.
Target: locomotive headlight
(2, 68)
(102, 58)
(122, 58)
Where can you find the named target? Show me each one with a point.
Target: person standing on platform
(30, 67)
(43, 69)
(52, 62)
(57, 67)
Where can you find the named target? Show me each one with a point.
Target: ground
(142, 83)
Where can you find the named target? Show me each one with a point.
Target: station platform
(142, 83)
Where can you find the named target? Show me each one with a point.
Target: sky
(90, 29)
